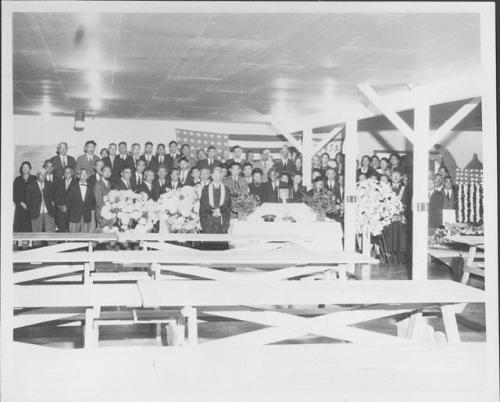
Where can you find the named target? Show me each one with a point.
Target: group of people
(442, 199)
(67, 193)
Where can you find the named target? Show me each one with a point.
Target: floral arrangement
(176, 211)
(128, 212)
(470, 195)
(377, 206)
(179, 210)
(324, 202)
(244, 204)
(441, 235)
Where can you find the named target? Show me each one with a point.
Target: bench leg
(363, 272)
(192, 324)
(450, 323)
(91, 331)
(342, 274)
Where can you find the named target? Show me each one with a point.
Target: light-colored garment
(238, 186)
(43, 207)
(265, 166)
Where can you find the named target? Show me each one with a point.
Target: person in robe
(101, 189)
(256, 187)
(22, 222)
(160, 183)
(215, 205)
(297, 190)
(62, 159)
(62, 222)
(396, 234)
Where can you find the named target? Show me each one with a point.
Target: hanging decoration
(470, 195)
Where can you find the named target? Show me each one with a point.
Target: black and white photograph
(249, 201)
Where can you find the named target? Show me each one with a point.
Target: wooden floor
(315, 373)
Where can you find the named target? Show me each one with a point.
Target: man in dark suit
(159, 159)
(331, 183)
(237, 157)
(135, 151)
(126, 160)
(185, 178)
(94, 178)
(210, 162)
(124, 183)
(41, 204)
(148, 156)
(137, 178)
(174, 182)
(173, 157)
(271, 189)
(160, 183)
(113, 161)
(297, 190)
(285, 164)
(147, 185)
(101, 189)
(80, 203)
(450, 199)
(256, 187)
(61, 190)
(62, 159)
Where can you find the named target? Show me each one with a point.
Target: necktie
(64, 161)
(67, 184)
(161, 160)
(161, 183)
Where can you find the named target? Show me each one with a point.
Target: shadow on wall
(35, 154)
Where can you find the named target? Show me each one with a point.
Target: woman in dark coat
(22, 222)
(366, 169)
(396, 234)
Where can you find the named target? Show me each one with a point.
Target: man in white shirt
(62, 159)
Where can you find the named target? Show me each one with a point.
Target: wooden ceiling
(229, 67)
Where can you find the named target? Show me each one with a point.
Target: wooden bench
(201, 263)
(382, 298)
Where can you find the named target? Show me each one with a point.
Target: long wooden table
(384, 298)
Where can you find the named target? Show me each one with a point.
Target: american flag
(225, 142)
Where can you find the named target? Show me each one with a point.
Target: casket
(297, 221)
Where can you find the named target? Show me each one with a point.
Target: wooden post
(307, 154)
(350, 150)
(420, 202)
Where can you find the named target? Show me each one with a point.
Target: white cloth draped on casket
(305, 231)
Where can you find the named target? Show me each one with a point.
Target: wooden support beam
(420, 202)
(350, 150)
(329, 137)
(307, 154)
(440, 134)
(387, 110)
(291, 139)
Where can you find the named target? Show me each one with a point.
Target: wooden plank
(450, 324)
(326, 139)
(77, 295)
(56, 236)
(214, 293)
(207, 258)
(55, 248)
(45, 272)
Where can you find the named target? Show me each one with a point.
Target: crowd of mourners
(67, 194)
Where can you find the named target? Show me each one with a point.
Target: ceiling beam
(329, 137)
(387, 110)
(451, 123)
(291, 139)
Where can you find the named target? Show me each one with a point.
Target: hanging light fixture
(79, 120)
